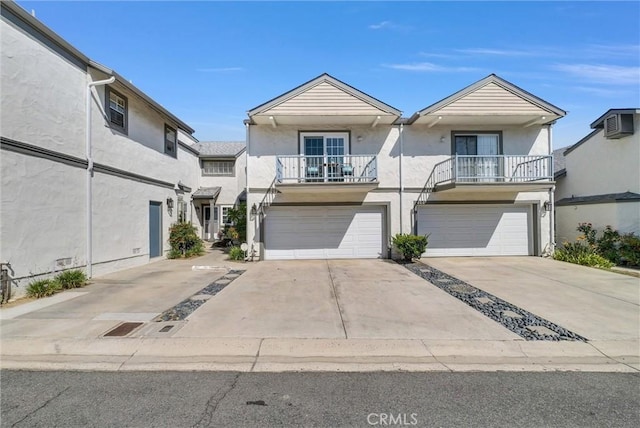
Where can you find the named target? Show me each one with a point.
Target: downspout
(400, 174)
(552, 213)
(90, 173)
(246, 183)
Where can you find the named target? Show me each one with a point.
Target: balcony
(492, 172)
(327, 173)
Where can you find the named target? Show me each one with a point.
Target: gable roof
(332, 81)
(515, 94)
(220, 148)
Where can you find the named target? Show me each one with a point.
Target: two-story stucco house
(333, 172)
(93, 170)
(222, 184)
(600, 181)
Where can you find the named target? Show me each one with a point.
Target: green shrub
(410, 246)
(630, 249)
(71, 279)
(236, 253)
(608, 245)
(238, 217)
(43, 288)
(184, 241)
(581, 254)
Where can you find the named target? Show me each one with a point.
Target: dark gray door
(155, 229)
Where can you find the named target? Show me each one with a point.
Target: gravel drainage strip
(185, 308)
(519, 321)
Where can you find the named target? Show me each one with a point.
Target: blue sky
(209, 62)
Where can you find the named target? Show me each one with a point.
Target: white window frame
(124, 105)
(224, 214)
(173, 143)
(324, 136)
(223, 172)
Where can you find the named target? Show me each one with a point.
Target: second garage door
(476, 230)
(323, 232)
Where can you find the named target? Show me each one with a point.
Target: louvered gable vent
(618, 126)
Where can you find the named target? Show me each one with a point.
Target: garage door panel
(475, 230)
(323, 232)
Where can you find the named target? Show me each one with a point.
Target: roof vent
(618, 126)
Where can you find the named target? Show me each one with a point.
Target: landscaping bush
(71, 279)
(238, 217)
(410, 246)
(630, 249)
(236, 253)
(609, 245)
(184, 241)
(581, 254)
(43, 288)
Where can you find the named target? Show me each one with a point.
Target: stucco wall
(266, 143)
(231, 186)
(600, 166)
(622, 216)
(39, 80)
(43, 210)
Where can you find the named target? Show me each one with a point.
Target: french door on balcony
(323, 156)
(477, 157)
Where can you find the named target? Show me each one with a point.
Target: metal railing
(487, 169)
(326, 169)
(268, 198)
(501, 168)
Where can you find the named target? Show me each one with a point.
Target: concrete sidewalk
(352, 315)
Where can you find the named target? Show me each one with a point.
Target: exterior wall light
(547, 205)
(254, 211)
(169, 204)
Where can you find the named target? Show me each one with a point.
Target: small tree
(410, 246)
(238, 217)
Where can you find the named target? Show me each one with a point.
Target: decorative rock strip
(521, 322)
(188, 306)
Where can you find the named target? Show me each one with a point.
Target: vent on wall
(618, 126)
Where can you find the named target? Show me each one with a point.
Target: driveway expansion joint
(523, 323)
(185, 308)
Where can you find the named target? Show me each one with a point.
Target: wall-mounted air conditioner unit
(618, 126)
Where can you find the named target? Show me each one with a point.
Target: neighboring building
(222, 184)
(88, 182)
(600, 181)
(335, 173)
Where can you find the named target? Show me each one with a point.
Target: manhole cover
(123, 329)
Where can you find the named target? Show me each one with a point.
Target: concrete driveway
(353, 299)
(598, 305)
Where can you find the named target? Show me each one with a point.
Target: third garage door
(476, 230)
(333, 232)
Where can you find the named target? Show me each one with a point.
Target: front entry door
(155, 229)
(207, 222)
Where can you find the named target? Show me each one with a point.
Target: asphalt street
(228, 399)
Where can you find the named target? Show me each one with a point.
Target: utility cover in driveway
(323, 233)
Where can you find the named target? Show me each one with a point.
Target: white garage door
(475, 230)
(323, 233)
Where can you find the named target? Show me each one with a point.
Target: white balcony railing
(326, 169)
(488, 169)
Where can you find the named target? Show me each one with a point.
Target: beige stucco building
(600, 182)
(335, 173)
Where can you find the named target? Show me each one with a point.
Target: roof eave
(599, 122)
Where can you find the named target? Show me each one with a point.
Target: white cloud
(496, 52)
(429, 67)
(619, 51)
(389, 25)
(600, 92)
(219, 70)
(601, 73)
